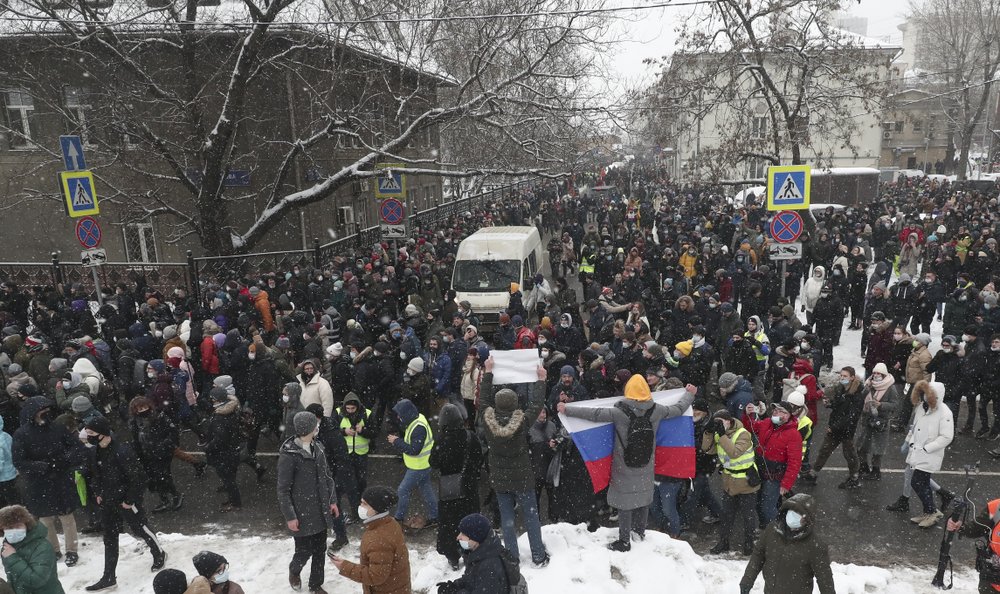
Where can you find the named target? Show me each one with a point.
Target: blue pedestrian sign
(391, 183)
(788, 187)
(72, 153)
(79, 193)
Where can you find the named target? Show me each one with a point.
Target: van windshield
(486, 276)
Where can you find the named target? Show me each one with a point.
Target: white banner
(515, 367)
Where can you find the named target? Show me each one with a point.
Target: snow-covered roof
(26, 17)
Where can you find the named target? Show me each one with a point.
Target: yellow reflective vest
(735, 466)
(805, 423)
(421, 461)
(356, 444)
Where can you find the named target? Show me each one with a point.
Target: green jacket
(32, 568)
(790, 560)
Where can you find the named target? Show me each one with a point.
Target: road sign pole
(97, 286)
(784, 271)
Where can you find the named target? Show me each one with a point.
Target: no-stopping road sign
(786, 226)
(88, 232)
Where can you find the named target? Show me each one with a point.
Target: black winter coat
(263, 388)
(456, 450)
(223, 437)
(156, 438)
(507, 435)
(486, 572)
(946, 368)
(829, 316)
(119, 477)
(46, 457)
(845, 409)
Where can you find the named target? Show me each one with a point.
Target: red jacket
(778, 443)
(209, 356)
(813, 395)
(525, 338)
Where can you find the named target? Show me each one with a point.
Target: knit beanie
(170, 581)
(476, 526)
(80, 404)
(218, 394)
(305, 423)
(207, 563)
(379, 498)
(506, 400)
(727, 379)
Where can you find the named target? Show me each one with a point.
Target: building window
(899, 126)
(140, 242)
(758, 129)
(918, 125)
(78, 106)
(756, 169)
(20, 109)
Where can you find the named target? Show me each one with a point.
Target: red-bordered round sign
(786, 226)
(88, 232)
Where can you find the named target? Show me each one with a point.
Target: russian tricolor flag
(675, 454)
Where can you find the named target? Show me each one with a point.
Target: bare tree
(180, 93)
(959, 44)
(771, 80)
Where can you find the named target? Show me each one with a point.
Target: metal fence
(163, 276)
(166, 276)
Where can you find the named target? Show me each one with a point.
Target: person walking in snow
(119, 486)
(308, 499)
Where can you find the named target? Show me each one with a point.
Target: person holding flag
(636, 420)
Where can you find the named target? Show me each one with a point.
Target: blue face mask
(793, 519)
(844, 381)
(464, 544)
(776, 419)
(14, 535)
(223, 577)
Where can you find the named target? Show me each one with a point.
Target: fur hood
(932, 392)
(501, 425)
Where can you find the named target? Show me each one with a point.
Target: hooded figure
(457, 455)
(932, 432)
(812, 289)
(46, 453)
(790, 554)
(631, 487)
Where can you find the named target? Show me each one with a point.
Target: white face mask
(252, 356)
(545, 354)
(793, 519)
(966, 338)
(285, 398)
(14, 535)
(221, 578)
(542, 341)
(464, 544)
(151, 374)
(362, 512)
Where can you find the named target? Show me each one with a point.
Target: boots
(165, 502)
(874, 475)
(719, 548)
(902, 505)
(621, 546)
(159, 560)
(850, 483)
(104, 583)
(864, 471)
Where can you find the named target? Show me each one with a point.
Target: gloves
(719, 427)
(447, 588)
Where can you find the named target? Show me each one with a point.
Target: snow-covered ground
(579, 560)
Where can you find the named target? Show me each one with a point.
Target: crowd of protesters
(652, 287)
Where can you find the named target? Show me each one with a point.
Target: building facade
(49, 89)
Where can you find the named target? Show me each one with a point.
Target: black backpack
(640, 440)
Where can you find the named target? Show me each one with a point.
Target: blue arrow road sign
(72, 152)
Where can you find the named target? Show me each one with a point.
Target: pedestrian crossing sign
(391, 181)
(79, 193)
(788, 187)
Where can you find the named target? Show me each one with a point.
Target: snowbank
(579, 560)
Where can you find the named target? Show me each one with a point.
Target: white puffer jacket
(933, 429)
(89, 375)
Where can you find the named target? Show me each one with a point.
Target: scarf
(878, 390)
